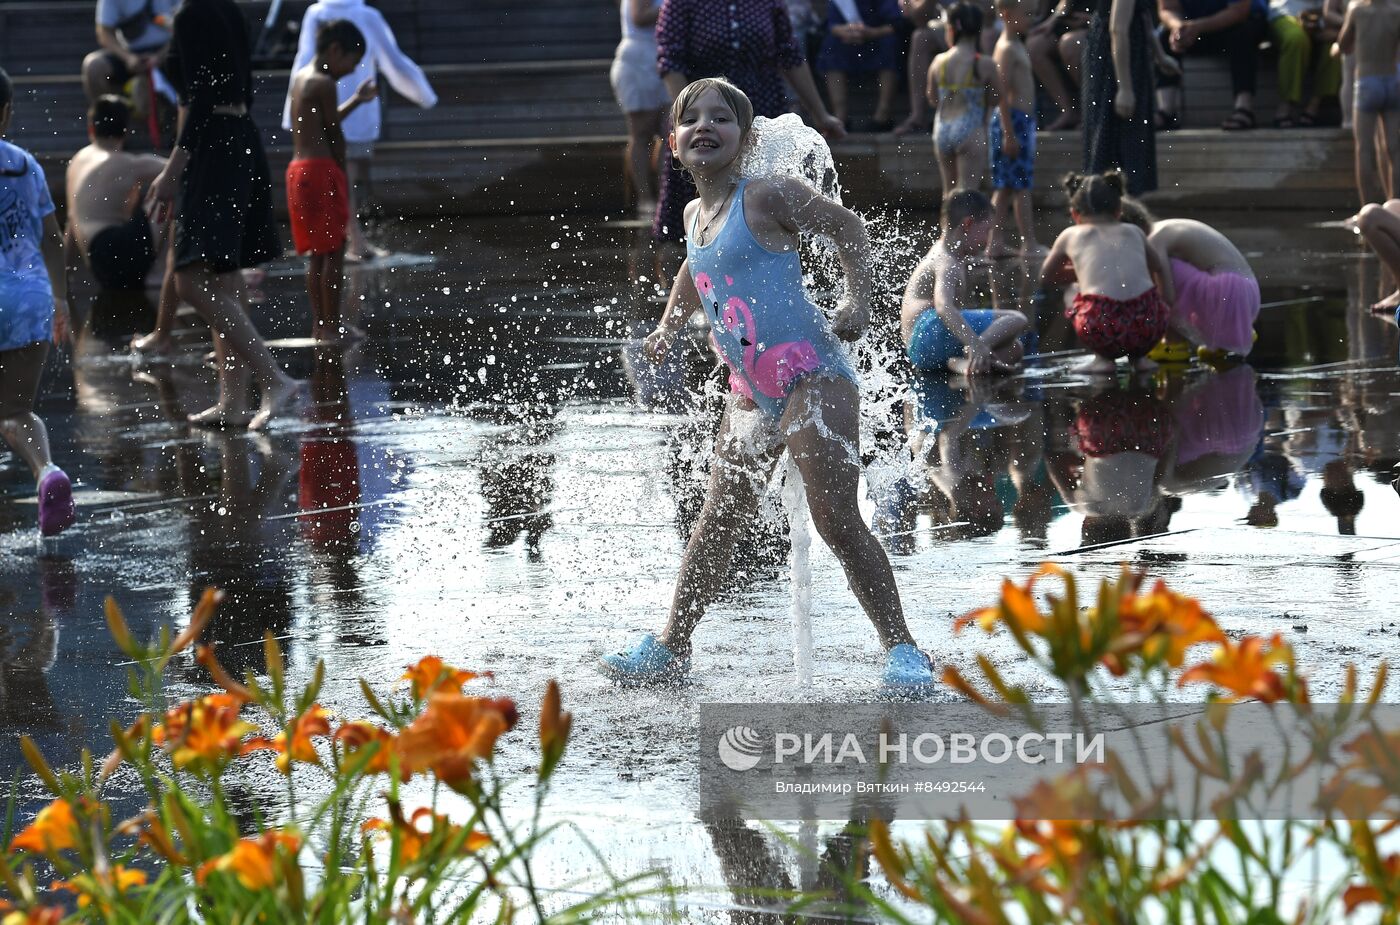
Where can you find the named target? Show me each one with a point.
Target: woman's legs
(160, 339)
(823, 420)
(925, 45)
(836, 89)
(642, 127)
(1041, 44)
(888, 82)
(218, 297)
(1294, 53)
(738, 476)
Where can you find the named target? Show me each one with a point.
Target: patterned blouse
(750, 42)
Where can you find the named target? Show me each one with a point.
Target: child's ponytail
(965, 20)
(1095, 195)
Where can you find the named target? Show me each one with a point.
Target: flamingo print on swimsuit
(772, 370)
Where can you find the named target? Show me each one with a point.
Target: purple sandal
(56, 512)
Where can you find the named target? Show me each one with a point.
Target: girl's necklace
(704, 231)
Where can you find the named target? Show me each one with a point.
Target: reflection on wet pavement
(496, 478)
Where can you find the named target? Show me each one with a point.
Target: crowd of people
(199, 218)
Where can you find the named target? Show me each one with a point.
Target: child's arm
(363, 94)
(53, 247)
(683, 302)
(1055, 261)
(1347, 40)
(803, 211)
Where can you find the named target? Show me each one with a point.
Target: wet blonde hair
(733, 97)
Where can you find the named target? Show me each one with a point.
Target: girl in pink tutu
(1217, 294)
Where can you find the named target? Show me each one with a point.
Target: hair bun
(1073, 181)
(1114, 178)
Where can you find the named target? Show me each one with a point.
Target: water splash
(800, 569)
(788, 147)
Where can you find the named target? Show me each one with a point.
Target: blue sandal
(648, 662)
(907, 668)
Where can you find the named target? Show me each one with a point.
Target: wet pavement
(485, 479)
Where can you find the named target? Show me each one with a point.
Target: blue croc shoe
(648, 662)
(907, 668)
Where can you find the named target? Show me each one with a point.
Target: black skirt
(223, 211)
(1109, 141)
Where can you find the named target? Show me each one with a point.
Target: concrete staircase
(527, 120)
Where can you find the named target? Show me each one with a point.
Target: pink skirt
(1222, 306)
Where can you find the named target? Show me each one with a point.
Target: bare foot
(154, 344)
(1352, 222)
(342, 333)
(220, 417)
(1097, 366)
(1066, 121)
(1033, 250)
(1388, 304)
(254, 276)
(276, 401)
(913, 126)
(646, 208)
(1143, 365)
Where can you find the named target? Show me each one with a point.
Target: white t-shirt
(382, 55)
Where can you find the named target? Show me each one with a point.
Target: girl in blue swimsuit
(792, 386)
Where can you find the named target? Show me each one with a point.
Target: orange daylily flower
(54, 829)
(89, 887)
(1161, 626)
(1246, 669)
(207, 730)
(554, 729)
(1016, 607)
(1358, 894)
(205, 656)
(453, 733)
(431, 673)
(360, 735)
(298, 747)
(412, 836)
(253, 860)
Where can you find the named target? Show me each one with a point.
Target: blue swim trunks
(1377, 93)
(1017, 172)
(932, 345)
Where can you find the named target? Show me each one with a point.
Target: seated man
(1231, 27)
(132, 35)
(106, 221)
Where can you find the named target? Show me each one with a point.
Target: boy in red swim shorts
(318, 194)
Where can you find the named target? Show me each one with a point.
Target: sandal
(1241, 120)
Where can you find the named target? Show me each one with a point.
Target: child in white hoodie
(362, 127)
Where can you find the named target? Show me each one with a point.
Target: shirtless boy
(1012, 135)
(318, 193)
(106, 223)
(1371, 34)
(938, 332)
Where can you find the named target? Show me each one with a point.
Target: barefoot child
(1013, 133)
(318, 194)
(1118, 312)
(958, 84)
(33, 309)
(1216, 293)
(1371, 34)
(791, 384)
(937, 334)
(1380, 227)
